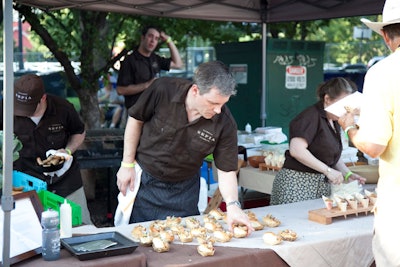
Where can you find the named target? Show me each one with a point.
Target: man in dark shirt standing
(42, 123)
(142, 66)
(173, 127)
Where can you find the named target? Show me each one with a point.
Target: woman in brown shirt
(313, 162)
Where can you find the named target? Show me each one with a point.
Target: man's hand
(236, 215)
(125, 178)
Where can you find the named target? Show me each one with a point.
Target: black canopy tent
(260, 11)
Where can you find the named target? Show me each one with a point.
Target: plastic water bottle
(50, 235)
(65, 220)
(248, 128)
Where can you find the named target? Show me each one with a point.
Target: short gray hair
(215, 74)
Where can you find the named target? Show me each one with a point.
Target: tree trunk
(93, 62)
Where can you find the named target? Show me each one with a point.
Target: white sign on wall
(239, 72)
(296, 77)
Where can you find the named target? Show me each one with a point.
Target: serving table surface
(255, 179)
(345, 242)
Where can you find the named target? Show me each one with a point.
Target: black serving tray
(124, 246)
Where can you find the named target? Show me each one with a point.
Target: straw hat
(390, 15)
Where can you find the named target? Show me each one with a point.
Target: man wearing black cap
(42, 123)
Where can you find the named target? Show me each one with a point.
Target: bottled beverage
(248, 128)
(65, 220)
(50, 235)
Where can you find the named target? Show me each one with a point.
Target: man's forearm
(131, 139)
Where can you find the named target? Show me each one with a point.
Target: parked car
(374, 60)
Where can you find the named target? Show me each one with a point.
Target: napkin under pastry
(66, 165)
(125, 203)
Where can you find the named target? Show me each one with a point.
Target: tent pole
(7, 200)
(264, 75)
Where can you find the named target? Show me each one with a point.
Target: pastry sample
(172, 220)
(137, 232)
(371, 195)
(352, 202)
(199, 231)
(176, 229)
(328, 202)
(271, 221)
(341, 203)
(239, 231)
(256, 224)
(167, 235)
(204, 239)
(288, 235)
(362, 199)
(157, 226)
(159, 245)
(206, 249)
(222, 236)
(185, 236)
(146, 240)
(192, 222)
(217, 213)
(250, 214)
(212, 226)
(271, 238)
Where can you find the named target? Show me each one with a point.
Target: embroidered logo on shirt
(54, 128)
(206, 135)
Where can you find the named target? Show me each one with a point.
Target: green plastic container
(53, 201)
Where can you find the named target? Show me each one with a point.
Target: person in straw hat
(377, 134)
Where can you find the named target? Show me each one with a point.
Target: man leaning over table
(175, 124)
(377, 134)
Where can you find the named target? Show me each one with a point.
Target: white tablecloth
(345, 242)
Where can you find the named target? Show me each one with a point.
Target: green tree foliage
(89, 37)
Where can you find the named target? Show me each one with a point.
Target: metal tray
(123, 246)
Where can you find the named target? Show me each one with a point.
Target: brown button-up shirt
(170, 147)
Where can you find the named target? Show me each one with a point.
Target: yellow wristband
(68, 151)
(169, 39)
(347, 176)
(127, 165)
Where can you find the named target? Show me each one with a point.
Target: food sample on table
(328, 202)
(222, 235)
(352, 202)
(288, 235)
(239, 231)
(137, 232)
(256, 224)
(146, 240)
(271, 238)
(185, 236)
(371, 195)
(167, 235)
(192, 222)
(206, 249)
(217, 213)
(159, 245)
(364, 200)
(172, 220)
(199, 231)
(271, 221)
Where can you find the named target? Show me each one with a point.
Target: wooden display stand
(325, 216)
(265, 167)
